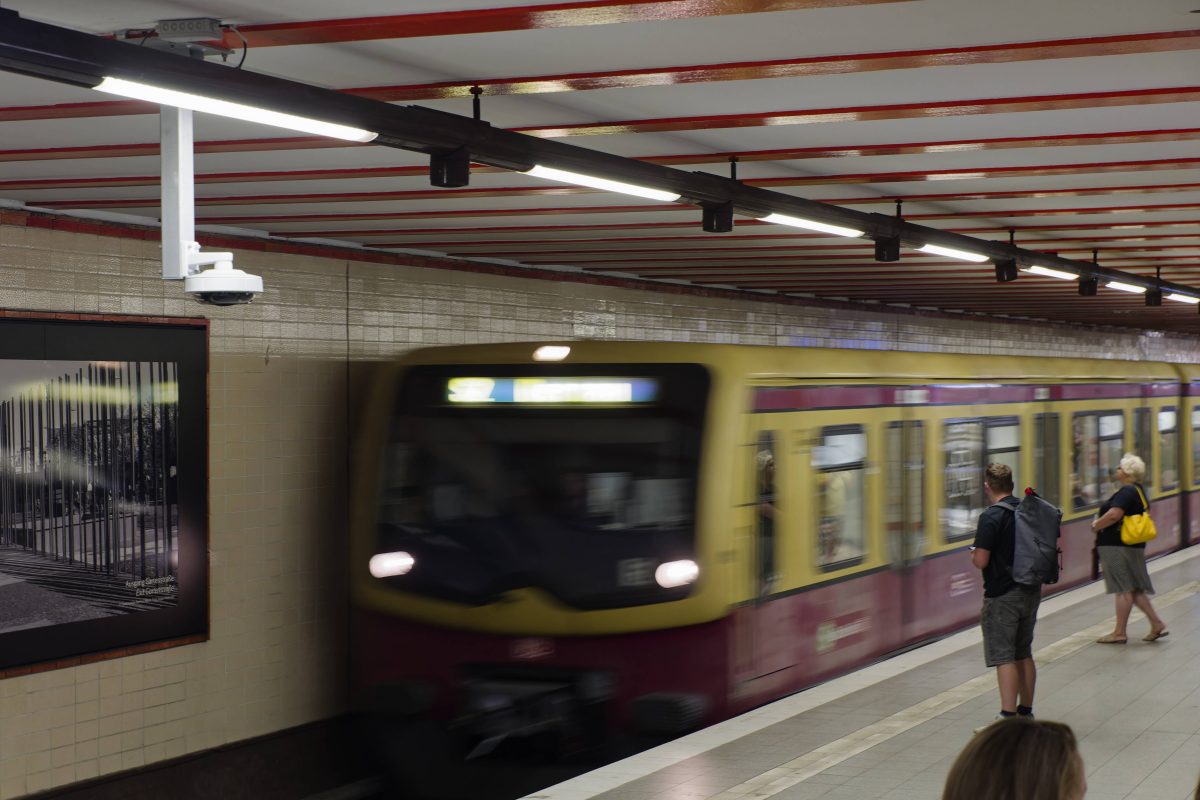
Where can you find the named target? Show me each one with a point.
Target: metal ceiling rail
(60, 54)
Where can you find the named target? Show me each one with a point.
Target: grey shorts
(1007, 622)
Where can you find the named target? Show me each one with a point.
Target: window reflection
(839, 462)
(1168, 448)
(962, 445)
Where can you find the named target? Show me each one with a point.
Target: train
(572, 540)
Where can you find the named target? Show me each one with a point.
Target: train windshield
(580, 481)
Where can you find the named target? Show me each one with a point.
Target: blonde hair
(1133, 466)
(1018, 757)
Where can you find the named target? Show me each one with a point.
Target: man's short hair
(998, 477)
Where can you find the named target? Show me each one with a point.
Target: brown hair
(998, 477)
(1021, 758)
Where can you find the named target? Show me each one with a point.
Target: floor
(892, 730)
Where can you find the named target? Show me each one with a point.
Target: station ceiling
(1069, 127)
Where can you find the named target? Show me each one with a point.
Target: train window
(905, 509)
(1142, 434)
(1004, 445)
(764, 482)
(1097, 443)
(1112, 447)
(1045, 456)
(1168, 449)
(839, 463)
(1195, 446)
(963, 445)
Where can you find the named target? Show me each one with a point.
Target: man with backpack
(1015, 563)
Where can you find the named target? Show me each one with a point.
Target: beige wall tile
(279, 381)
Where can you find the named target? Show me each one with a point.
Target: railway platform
(891, 731)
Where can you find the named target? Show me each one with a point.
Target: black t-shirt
(996, 533)
(1126, 498)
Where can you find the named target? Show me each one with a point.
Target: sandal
(1154, 636)
(1112, 638)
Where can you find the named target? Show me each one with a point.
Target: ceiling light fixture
(1126, 287)
(1062, 275)
(594, 182)
(1183, 298)
(1089, 286)
(1154, 297)
(224, 108)
(950, 252)
(812, 225)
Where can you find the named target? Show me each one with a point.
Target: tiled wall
(279, 388)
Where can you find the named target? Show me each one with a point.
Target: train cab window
(1143, 432)
(576, 480)
(963, 501)
(1004, 445)
(839, 462)
(1098, 440)
(1045, 457)
(904, 515)
(1195, 446)
(1168, 449)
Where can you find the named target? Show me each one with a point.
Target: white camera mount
(181, 256)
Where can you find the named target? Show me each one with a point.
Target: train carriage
(588, 537)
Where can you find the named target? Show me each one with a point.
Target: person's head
(766, 465)
(1131, 469)
(998, 480)
(1018, 757)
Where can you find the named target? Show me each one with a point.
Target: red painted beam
(669, 208)
(783, 154)
(928, 110)
(551, 191)
(516, 18)
(1129, 44)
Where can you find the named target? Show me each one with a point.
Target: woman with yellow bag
(1122, 530)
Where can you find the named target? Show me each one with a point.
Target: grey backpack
(1036, 557)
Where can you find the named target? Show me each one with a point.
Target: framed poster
(103, 485)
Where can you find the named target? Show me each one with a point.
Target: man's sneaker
(997, 718)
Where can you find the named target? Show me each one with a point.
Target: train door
(904, 515)
(763, 635)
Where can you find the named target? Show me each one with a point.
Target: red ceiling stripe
(795, 67)
(987, 105)
(671, 208)
(784, 154)
(1173, 164)
(536, 17)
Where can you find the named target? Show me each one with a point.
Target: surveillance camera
(223, 285)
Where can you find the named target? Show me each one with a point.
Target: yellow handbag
(1138, 528)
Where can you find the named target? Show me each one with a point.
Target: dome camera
(222, 285)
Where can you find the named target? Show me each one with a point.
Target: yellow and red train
(585, 537)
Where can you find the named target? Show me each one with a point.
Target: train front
(527, 562)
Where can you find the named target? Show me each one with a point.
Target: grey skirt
(1125, 569)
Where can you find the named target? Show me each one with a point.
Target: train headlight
(676, 573)
(387, 565)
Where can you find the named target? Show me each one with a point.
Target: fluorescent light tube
(561, 175)
(950, 252)
(812, 225)
(1126, 287)
(1183, 298)
(1051, 273)
(210, 105)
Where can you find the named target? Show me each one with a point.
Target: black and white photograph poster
(96, 535)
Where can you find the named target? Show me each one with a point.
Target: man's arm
(980, 557)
